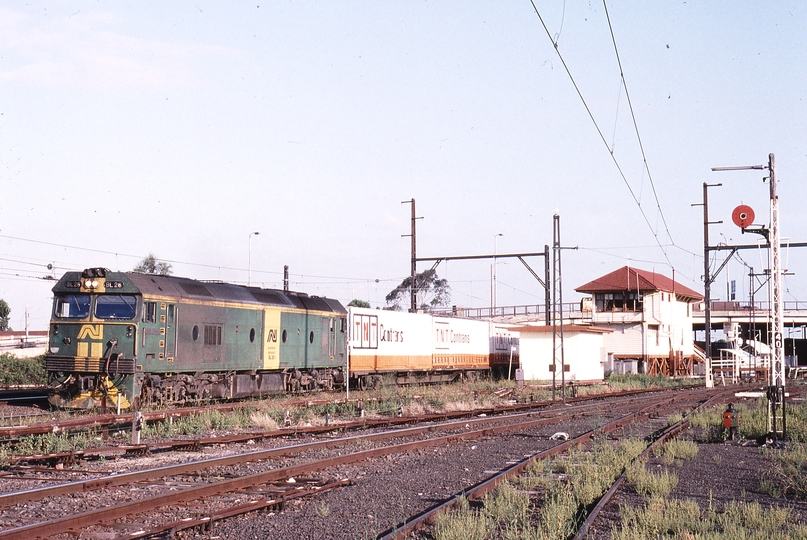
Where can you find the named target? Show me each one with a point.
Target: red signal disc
(743, 216)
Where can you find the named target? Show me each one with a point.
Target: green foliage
(51, 443)
(430, 292)
(753, 421)
(198, 423)
(651, 484)
(5, 310)
(462, 524)
(676, 450)
(636, 381)
(788, 476)
(15, 370)
(152, 265)
(509, 514)
(661, 518)
(359, 303)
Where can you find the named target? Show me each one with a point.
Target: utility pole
(776, 392)
(547, 291)
(707, 286)
(557, 316)
(777, 427)
(414, 270)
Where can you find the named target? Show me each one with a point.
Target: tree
(359, 303)
(4, 312)
(430, 292)
(151, 265)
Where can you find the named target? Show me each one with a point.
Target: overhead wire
(342, 280)
(603, 139)
(635, 123)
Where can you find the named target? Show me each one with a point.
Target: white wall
(584, 353)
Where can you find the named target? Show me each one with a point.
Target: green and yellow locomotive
(126, 339)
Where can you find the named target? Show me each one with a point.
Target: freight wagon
(421, 348)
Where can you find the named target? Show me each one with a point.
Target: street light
(249, 266)
(493, 275)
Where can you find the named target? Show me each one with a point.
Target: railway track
(476, 493)
(24, 396)
(124, 421)
(226, 486)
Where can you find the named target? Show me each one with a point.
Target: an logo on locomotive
(91, 331)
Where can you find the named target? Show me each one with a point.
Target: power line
(635, 124)
(201, 265)
(602, 136)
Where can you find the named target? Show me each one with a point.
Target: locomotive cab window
(118, 306)
(73, 306)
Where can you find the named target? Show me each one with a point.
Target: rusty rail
(667, 434)
(400, 532)
(199, 492)
(107, 420)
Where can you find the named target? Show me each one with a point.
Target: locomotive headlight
(94, 283)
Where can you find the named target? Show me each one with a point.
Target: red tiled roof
(632, 279)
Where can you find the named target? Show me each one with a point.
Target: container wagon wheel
(363, 383)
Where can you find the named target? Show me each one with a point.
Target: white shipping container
(388, 340)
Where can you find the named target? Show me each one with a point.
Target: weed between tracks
(663, 517)
(548, 501)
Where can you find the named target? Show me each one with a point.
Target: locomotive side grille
(90, 365)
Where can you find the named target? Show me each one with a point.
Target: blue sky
(179, 128)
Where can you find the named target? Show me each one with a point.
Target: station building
(650, 318)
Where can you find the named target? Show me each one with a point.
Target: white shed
(584, 353)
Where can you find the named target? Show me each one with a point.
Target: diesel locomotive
(125, 339)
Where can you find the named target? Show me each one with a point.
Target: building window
(619, 301)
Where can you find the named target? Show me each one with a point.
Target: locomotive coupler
(731, 421)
